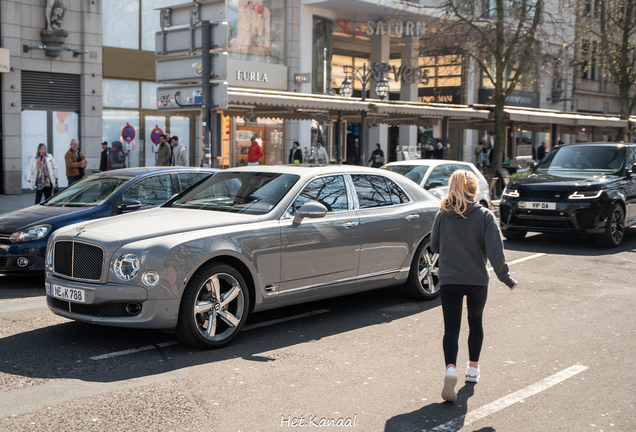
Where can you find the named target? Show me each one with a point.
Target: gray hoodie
(465, 245)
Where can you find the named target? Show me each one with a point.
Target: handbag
(56, 188)
(380, 159)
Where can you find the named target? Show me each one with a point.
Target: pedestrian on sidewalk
(42, 173)
(103, 161)
(466, 235)
(75, 163)
(254, 153)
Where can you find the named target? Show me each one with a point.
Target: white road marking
(170, 343)
(511, 399)
(25, 304)
(517, 261)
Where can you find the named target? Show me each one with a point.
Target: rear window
(413, 172)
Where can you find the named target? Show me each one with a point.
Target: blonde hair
(462, 187)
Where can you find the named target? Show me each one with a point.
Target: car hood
(159, 222)
(35, 215)
(555, 181)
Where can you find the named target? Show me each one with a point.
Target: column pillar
(380, 52)
(410, 51)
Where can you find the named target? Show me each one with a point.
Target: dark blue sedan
(24, 233)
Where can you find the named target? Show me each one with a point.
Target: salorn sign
(382, 28)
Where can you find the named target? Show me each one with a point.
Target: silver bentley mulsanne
(245, 240)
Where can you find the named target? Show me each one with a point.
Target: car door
(631, 187)
(150, 191)
(387, 220)
(321, 255)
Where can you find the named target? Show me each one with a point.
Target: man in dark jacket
(439, 151)
(103, 162)
(295, 154)
(164, 152)
(541, 151)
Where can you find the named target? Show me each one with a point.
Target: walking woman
(465, 235)
(42, 173)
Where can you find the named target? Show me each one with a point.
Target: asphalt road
(558, 355)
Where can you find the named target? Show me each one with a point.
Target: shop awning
(538, 120)
(251, 103)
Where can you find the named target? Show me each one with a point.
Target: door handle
(349, 224)
(412, 216)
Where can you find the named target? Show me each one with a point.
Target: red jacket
(254, 153)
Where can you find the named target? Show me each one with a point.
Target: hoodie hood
(472, 206)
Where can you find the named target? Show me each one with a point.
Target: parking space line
(511, 399)
(517, 261)
(175, 342)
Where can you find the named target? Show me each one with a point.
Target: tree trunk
(500, 129)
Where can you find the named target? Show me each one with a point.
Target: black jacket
(295, 154)
(377, 153)
(103, 162)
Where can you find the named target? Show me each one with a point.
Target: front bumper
(582, 217)
(106, 305)
(34, 251)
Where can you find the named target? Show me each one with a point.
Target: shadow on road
(65, 350)
(450, 415)
(570, 244)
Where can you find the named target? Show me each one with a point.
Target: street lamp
(364, 75)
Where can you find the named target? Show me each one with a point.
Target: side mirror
(433, 185)
(129, 205)
(631, 171)
(312, 209)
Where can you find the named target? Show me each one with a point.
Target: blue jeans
(73, 179)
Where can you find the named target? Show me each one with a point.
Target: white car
(434, 174)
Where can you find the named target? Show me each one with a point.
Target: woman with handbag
(377, 157)
(42, 173)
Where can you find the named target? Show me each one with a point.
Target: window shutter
(50, 90)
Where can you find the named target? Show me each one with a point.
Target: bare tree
(613, 24)
(500, 36)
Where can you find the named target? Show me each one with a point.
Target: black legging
(46, 191)
(452, 299)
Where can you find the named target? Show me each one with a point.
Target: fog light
(150, 278)
(23, 262)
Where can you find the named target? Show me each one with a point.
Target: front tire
(214, 307)
(422, 283)
(514, 235)
(614, 227)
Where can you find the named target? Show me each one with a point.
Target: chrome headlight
(586, 194)
(510, 193)
(126, 266)
(34, 233)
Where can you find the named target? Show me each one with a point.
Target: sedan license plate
(71, 294)
(538, 205)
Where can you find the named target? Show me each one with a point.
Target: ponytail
(462, 187)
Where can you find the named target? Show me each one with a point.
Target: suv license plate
(538, 205)
(71, 294)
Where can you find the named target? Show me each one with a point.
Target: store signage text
(384, 28)
(408, 74)
(251, 76)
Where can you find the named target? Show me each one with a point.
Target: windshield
(92, 191)
(413, 172)
(584, 160)
(238, 192)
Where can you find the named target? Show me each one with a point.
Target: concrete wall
(22, 21)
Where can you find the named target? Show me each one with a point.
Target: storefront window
(337, 70)
(150, 22)
(149, 95)
(321, 67)
(120, 24)
(269, 135)
(114, 121)
(120, 93)
(261, 35)
(443, 71)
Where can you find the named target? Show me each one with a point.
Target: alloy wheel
(429, 271)
(618, 224)
(219, 306)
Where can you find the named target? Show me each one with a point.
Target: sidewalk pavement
(9, 203)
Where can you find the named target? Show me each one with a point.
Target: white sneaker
(472, 375)
(449, 392)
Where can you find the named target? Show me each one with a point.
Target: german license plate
(70, 294)
(538, 205)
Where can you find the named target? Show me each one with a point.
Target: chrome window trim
(286, 214)
(63, 276)
(352, 278)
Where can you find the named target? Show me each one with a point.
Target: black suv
(586, 189)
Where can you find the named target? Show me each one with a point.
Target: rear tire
(214, 307)
(614, 227)
(422, 283)
(514, 235)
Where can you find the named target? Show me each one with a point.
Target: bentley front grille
(78, 260)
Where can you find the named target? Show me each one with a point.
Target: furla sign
(384, 28)
(256, 75)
